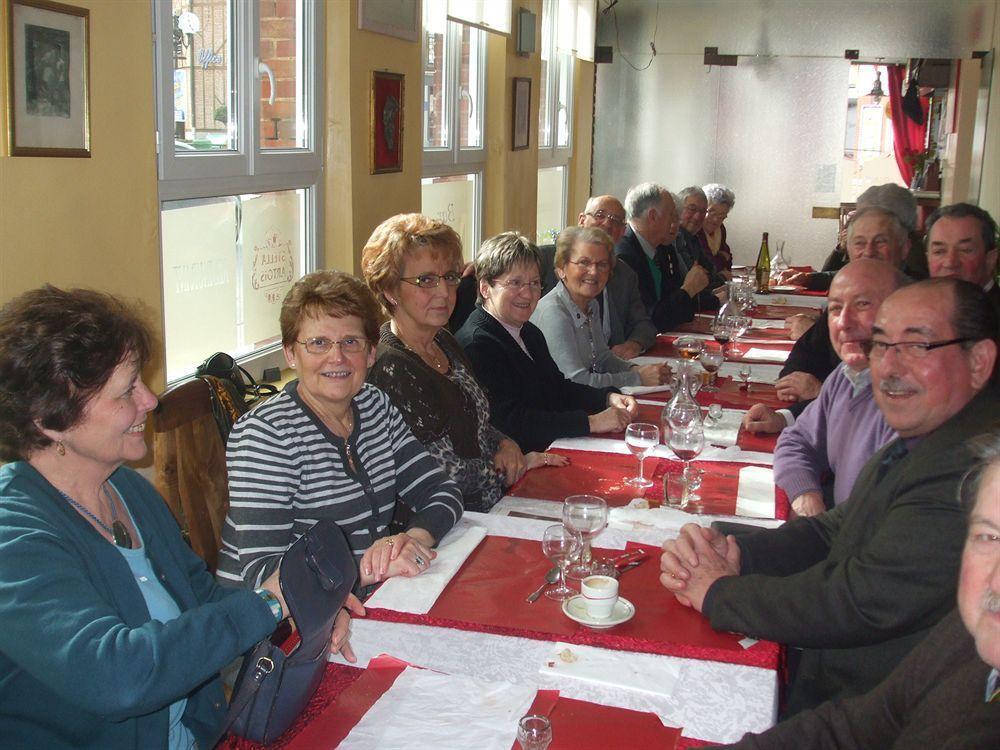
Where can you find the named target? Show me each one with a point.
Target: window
(551, 214)
(454, 57)
(239, 104)
(555, 110)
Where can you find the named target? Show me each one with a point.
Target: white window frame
(247, 169)
(554, 155)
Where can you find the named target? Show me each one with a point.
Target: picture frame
(48, 74)
(386, 122)
(521, 115)
(398, 18)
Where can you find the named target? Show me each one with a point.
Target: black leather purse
(222, 365)
(317, 573)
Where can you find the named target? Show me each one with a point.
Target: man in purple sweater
(842, 428)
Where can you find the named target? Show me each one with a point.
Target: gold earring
(60, 448)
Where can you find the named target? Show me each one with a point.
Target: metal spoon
(551, 577)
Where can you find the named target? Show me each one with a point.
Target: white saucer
(786, 288)
(576, 609)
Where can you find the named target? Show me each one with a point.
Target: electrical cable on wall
(652, 42)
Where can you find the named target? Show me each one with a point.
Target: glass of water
(641, 438)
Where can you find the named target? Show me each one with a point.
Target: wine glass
(560, 545)
(687, 444)
(587, 516)
(534, 732)
(745, 372)
(641, 438)
(688, 347)
(715, 413)
(711, 359)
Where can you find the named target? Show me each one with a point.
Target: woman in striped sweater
(331, 446)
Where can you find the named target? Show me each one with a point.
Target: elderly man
(624, 318)
(858, 587)
(872, 233)
(692, 204)
(669, 294)
(843, 428)
(961, 243)
(944, 694)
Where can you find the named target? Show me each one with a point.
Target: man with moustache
(843, 427)
(859, 586)
(945, 693)
(961, 244)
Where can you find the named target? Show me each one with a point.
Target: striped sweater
(287, 471)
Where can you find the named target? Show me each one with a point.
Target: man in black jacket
(858, 587)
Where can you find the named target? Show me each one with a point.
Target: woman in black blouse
(412, 264)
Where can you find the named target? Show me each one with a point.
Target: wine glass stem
(642, 475)
(585, 553)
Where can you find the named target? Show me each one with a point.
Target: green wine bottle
(763, 267)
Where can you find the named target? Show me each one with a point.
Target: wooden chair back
(189, 459)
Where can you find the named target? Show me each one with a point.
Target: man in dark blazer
(669, 294)
(623, 314)
(858, 587)
(962, 244)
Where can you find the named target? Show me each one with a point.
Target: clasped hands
(696, 559)
(407, 554)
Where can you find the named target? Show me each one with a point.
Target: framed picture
(48, 76)
(386, 124)
(521, 122)
(400, 18)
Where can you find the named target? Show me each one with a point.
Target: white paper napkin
(764, 323)
(671, 520)
(425, 710)
(418, 594)
(649, 673)
(641, 390)
(767, 355)
(759, 373)
(791, 300)
(726, 430)
(755, 495)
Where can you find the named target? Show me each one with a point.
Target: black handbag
(222, 365)
(317, 573)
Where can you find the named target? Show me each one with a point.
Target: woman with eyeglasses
(712, 236)
(331, 446)
(530, 399)
(575, 327)
(413, 263)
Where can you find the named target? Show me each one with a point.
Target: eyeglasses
(907, 349)
(433, 280)
(348, 344)
(602, 215)
(516, 285)
(587, 264)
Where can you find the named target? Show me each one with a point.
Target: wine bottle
(763, 267)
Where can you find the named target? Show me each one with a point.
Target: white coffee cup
(600, 593)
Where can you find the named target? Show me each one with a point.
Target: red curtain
(907, 136)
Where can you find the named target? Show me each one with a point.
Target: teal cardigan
(81, 663)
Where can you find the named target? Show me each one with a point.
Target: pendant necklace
(117, 529)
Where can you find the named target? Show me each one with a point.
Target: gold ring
(389, 540)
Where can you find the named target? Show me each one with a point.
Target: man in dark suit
(961, 243)
(628, 327)
(669, 294)
(858, 587)
(692, 205)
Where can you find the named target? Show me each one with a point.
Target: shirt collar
(859, 379)
(648, 249)
(992, 683)
(579, 319)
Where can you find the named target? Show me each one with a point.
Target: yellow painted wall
(583, 139)
(989, 195)
(92, 222)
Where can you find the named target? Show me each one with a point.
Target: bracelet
(272, 601)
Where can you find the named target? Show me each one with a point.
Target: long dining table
(663, 678)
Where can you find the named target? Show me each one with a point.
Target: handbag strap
(261, 670)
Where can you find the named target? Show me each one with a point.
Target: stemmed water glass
(711, 359)
(687, 444)
(641, 438)
(587, 516)
(560, 545)
(745, 372)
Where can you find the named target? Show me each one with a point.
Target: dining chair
(189, 459)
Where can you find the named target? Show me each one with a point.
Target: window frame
(554, 155)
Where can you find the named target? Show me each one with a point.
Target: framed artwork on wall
(399, 18)
(386, 122)
(48, 74)
(521, 120)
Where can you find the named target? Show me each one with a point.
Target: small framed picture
(521, 121)
(399, 18)
(48, 76)
(386, 124)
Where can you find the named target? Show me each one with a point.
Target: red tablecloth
(745, 440)
(703, 324)
(780, 312)
(730, 395)
(604, 475)
(488, 593)
(576, 725)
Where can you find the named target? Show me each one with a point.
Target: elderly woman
(530, 399)
(413, 263)
(570, 317)
(114, 632)
(331, 446)
(713, 233)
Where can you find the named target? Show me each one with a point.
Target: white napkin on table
(767, 355)
(425, 710)
(671, 519)
(726, 430)
(755, 495)
(639, 390)
(417, 595)
(759, 373)
(649, 673)
(765, 323)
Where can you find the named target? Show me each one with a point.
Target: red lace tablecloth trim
(764, 654)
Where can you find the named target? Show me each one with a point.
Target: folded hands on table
(696, 559)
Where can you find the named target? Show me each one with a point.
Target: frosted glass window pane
(435, 80)
(283, 122)
(204, 78)
(471, 94)
(452, 200)
(551, 216)
(493, 14)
